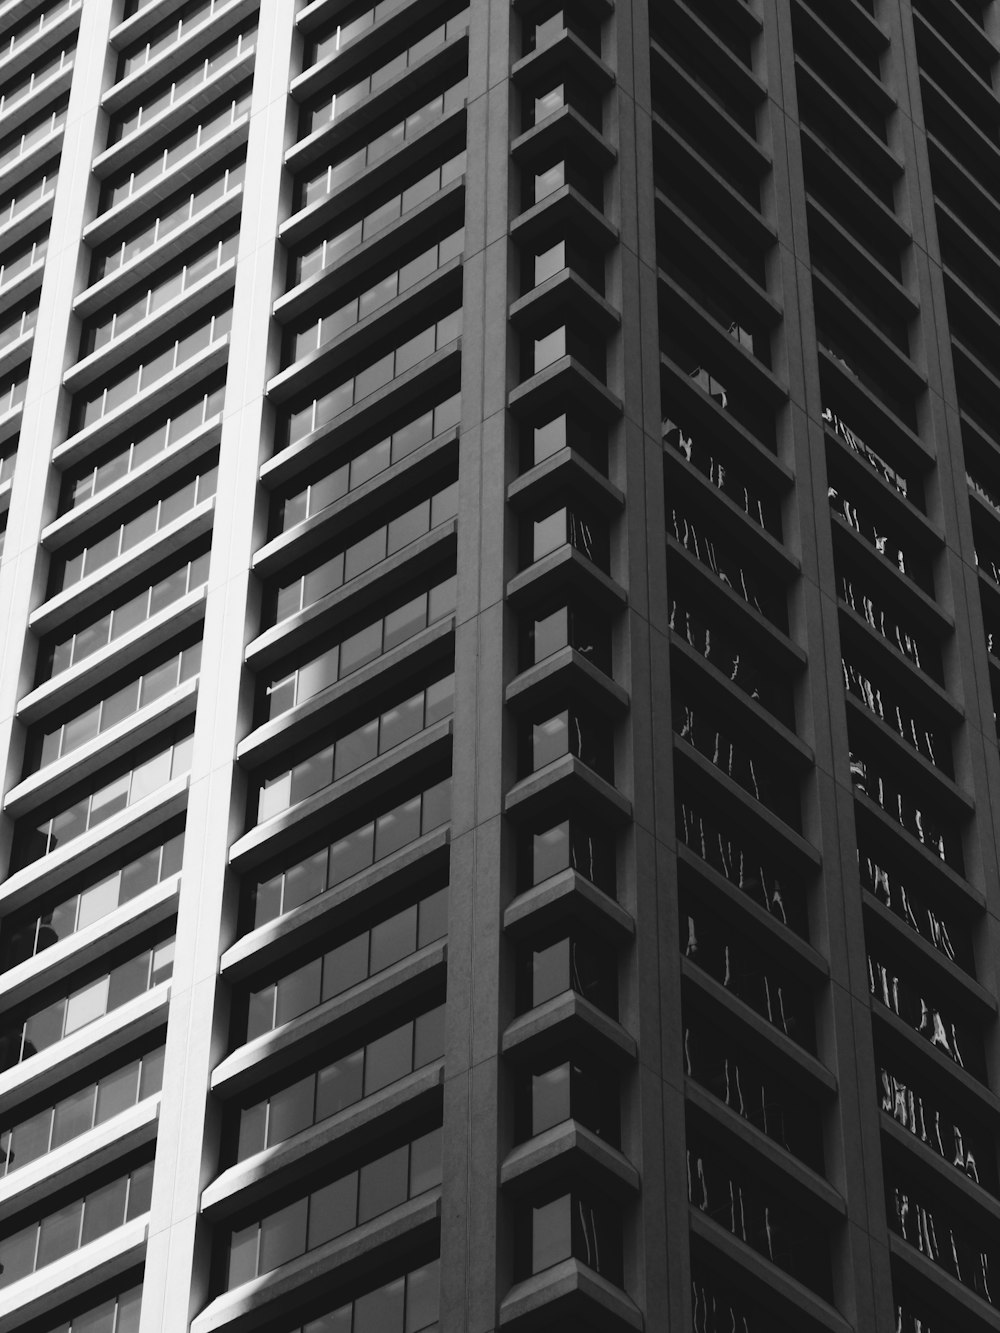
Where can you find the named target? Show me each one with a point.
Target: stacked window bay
(756, 1071)
(88, 911)
(942, 1190)
(334, 1071)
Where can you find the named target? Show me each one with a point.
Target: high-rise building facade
(501, 634)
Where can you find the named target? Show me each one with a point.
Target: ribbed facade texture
(500, 647)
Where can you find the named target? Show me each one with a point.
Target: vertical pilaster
(46, 406)
(177, 1264)
(471, 1241)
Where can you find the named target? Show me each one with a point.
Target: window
(951, 1132)
(586, 1092)
(153, 228)
(58, 655)
(721, 556)
(330, 107)
(355, 1074)
(146, 520)
(194, 137)
(180, 419)
(382, 733)
(566, 625)
(166, 34)
(28, 932)
(746, 970)
(29, 193)
(563, 959)
(321, 411)
(33, 25)
(52, 1237)
(80, 1110)
(364, 553)
(157, 362)
(579, 1224)
(337, 173)
(199, 264)
(119, 1314)
(733, 481)
(739, 1199)
(29, 138)
(542, 440)
(335, 1208)
(348, 963)
(570, 525)
(151, 768)
(574, 731)
(50, 65)
(569, 844)
(916, 1002)
(324, 328)
(319, 256)
(963, 1245)
(183, 81)
(408, 1304)
(333, 486)
(67, 1014)
(16, 264)
(362, 847)
(358, 649)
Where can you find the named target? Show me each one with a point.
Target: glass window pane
(339, 1085)
(117, 1091)
(380, 1311)
(332, 1210)
(550, 1233)
(345, 965)
(73, 1115)
(425, 1162)
(428, 1037)
(388, 1057)
(87, 1004)
(397, 828)
(99, 1320)
(104, 1209)
(98, 901)
(291, 1110)
(355, 749)
(383, 1184)
(393, 939)
(433, 918)
(298, 992)
(550, 1098)
(243, 1255)
(151, 1078)
(128, 980)
(29, 1140)
(422, 1297)
(283, 1235)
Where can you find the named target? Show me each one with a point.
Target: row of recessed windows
(177, 422)
(198, 263)
(324, 409)
(377, 637)
(45, 747)
(329, 1211)
(381, 734)
(407, 1304)
(29, 138)
(59, 654)
(165, 34)
(148, 770)
(361, 955)
(92, 1104)
(361, 555)
(117, 1314)
(205, 67)
(27, 194)
(33, 25)
(91, 405)
(324, 328)
(17, 263)
(337, 104)
(51, 64)
(336, 1086)
(75, 1224)
(124, 185)
(338, 173)
(30, 931)
(320, 255)
(361, 847)
(333, 485)
(66, 1014)
(156, 226)
(66, 571)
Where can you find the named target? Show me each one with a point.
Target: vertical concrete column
(46, 408)
(653, 1120)
(470, 1238)
(178, 1258)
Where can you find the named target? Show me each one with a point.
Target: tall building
(501, 641)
